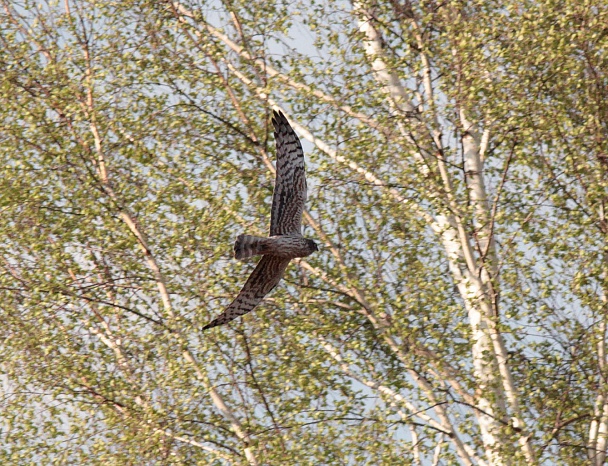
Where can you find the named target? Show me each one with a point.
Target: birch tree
(457, 165)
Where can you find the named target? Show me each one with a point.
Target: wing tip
(210, 325)
(219, 320)
(278, 117)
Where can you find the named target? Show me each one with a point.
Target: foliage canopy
(458, 170)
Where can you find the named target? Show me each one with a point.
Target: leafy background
(137, 144)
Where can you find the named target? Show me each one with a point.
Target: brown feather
(290, 185)
(263, 279)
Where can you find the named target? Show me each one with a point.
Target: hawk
(285, 241)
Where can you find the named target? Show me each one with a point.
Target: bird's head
(312, 246)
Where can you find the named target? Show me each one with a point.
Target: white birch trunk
(486, 270)
(598, 430)
(453, 241)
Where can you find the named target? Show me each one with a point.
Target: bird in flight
(285, 241)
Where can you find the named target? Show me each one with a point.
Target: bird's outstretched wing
(263, 279)
(290, 186)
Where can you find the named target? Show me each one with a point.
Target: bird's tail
(246, 246)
